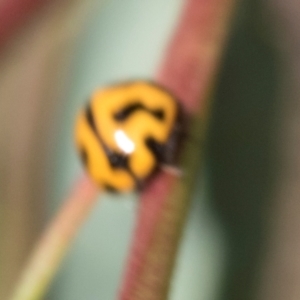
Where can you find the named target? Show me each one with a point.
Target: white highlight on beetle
(124, 142)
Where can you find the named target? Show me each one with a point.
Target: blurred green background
(241, 238)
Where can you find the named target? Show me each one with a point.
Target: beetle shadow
(241, 151)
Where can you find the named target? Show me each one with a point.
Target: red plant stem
(148, 215)
(188, 70)
(13, 13)
(194, 53)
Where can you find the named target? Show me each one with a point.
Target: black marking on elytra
(123, 114)
(176, 138)
(158, 114)
(90, 119)
(119, 161)
(127, 111)
(158, 149)
(116, 160)
(110, 188)
(168, 152)
(84, 156)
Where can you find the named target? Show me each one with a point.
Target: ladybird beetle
(126, 132)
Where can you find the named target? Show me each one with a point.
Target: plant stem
(189, 70)
(50, 250)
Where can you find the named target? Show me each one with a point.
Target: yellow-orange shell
(119, 131)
